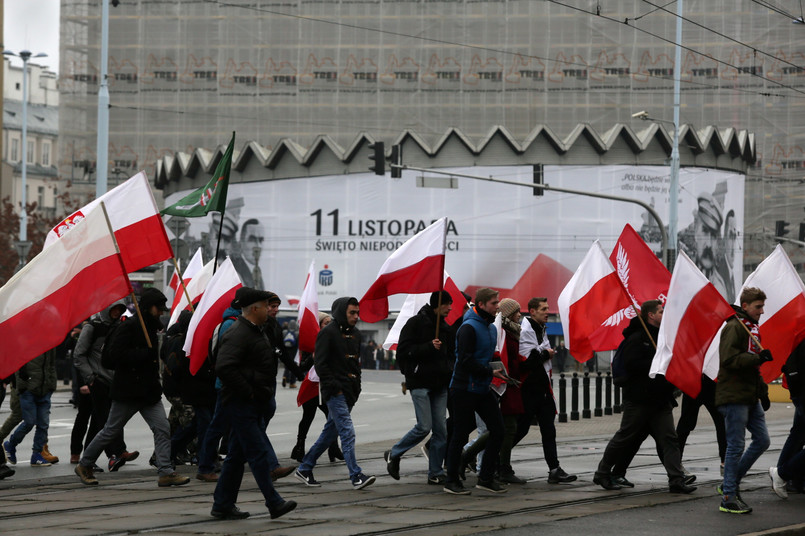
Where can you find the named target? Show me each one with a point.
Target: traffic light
(378, 154)
(539, 178)
(396, 160)
(780, 228)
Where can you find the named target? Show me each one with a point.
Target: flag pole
(218, 244)
(122, 266)
(751, 335)
(441, 281)
(181, 282)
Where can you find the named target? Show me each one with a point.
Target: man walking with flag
(742, 396)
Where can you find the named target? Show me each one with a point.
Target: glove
(765, 356)
(765, 403)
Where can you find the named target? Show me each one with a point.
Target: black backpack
(619, 375)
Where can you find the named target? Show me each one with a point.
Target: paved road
(51, 500)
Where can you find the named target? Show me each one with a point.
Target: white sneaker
(777, 483)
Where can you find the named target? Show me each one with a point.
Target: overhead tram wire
(509, 52)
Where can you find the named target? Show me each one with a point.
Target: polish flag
(643, 277)
(195, 289)
(135, 220)
(193, 267)
(216, 298)
(67, 282)
(416, 267)
(591, 296)
(174, 282)
(782, 325)
(308, 317)
(693, 314)
(414, 302)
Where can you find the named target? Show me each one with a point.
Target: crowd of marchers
(490, 370)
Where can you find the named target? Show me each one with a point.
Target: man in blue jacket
(470, 394)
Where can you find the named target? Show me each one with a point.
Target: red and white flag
(135, 220)
(642, 275)
(693, 314)
(782, 325)
(591, 296)
(174, 281)
(75, 277)
(193, 267)
(195, 289)
(416, 267)
(414, 302)
(308, 316)
(217, 297)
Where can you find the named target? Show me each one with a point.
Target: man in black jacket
(337, 361)
(135, 389)
(425, 358)
(647, 405)
(248, 373)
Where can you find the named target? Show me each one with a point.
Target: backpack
(619, 374)
(107, 359)
(212, 347)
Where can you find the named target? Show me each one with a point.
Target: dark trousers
(465, 406)
(636, 420)
(247, 443)
(81, 424)
(791, 464)
(544, 409)
(208, 448)
(101, 404)
(690, 415)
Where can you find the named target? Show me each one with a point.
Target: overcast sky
(32, 25)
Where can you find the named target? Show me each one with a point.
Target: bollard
(574, 397)
(599, 384)
(608, 397)
(616, 407)
(585, 385)
(562, 398)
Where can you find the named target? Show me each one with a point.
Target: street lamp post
(23, 245)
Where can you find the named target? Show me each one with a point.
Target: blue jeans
(268, 413)
(430, 408)
(247, 443)
(35, 412)
(791, 464)
(208, 449)
(339, 424)
(737, 419)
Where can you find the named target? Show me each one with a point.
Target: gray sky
(32, 25)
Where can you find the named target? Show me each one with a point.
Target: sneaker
(681, 487)
(777, 483)
(38, 461)
(689, 479)
(281, 509)
(307, 478)
(491, 485)
(86, 474)
(11, 452)
(622, 482)
(281, 472)
(232, 513)
(392, 465)
(507, 476)
(130, 456)
(173, 479)
(6, 471)
(455, 488)
(437, 480)
(115, 463)
(361, 481)
(207, 477)
(558, 475)
(48, 456)
(733, 505)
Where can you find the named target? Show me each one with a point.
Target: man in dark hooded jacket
(647, 405)
(337, 362)
(135, 389)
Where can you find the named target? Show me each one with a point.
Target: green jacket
(38, 375)
(739, 379)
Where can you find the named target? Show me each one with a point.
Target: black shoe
(392, 465)
(622, 482)
(232, 513)
(298, 452)
(282, 509)
(681, 487)
(558, 475)
(335, 453)
(455, 488)
(491, 485)
(6, 471)
(361, 481)
(689, 479)
(306, 477)
(606, 482)
(734, 505)
(507, 476)
(437, 480)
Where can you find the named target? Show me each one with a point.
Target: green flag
(210, 197)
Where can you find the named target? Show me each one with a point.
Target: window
(30, 156)
(15, 150)
(46, 154)
(40, 196)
